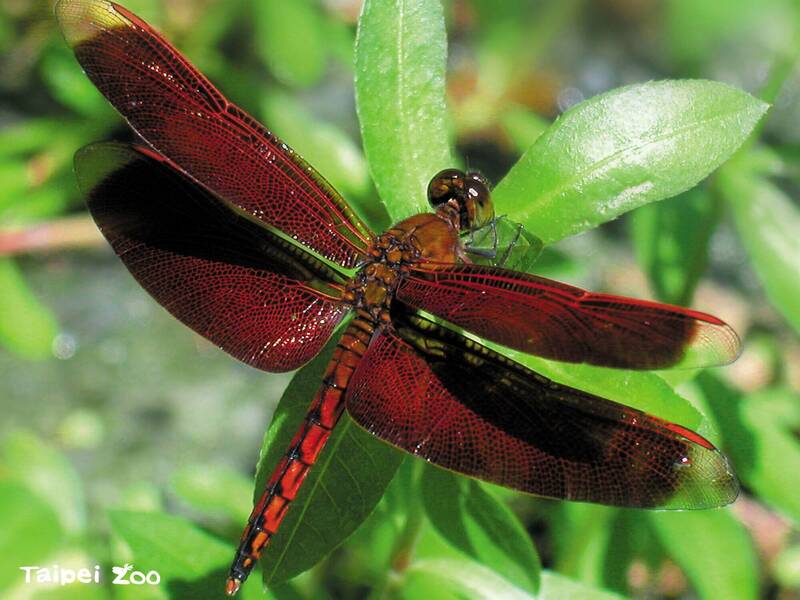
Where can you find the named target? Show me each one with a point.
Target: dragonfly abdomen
(302, 452)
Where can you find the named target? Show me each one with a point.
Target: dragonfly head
(465, 195)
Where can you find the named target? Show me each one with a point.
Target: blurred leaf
(767, 222)
(217, 489)
(338, 494)
(523, 126)
(787, 567)
(671, 241)
(26, 326)
(713, 549)
(171, 545)
(401, 55)
(582, 534)
(481, 526)
(29, 136)
(558, 587)
(72, 88)
(623, 149)
(326, 147)
(48, 473)
(29, 531)
(695, 30)
(459, 579)
(773, 418)
(290, 38)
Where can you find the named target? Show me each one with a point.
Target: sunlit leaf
(558, 587)
(713, 549)
(481, 526)
(340, 491)
(460, 579)
(401, 53)
(623, 149)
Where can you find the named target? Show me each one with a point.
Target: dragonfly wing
(260, 298)
(456, 403)
(176, 110)
(561, 322)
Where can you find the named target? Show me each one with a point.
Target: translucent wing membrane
(561, 322)
(260, 298)
(180, 113)
(459, 405)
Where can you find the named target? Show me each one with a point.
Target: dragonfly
(246, 243)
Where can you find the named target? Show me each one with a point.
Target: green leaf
(48, 473)
(713, 549)
(171, 545)
(695, 30)
(290, 38)
(671, 241)
(623, 149)
(582, 533)
(459, 579)
(29, 531)
(210, 488)
(481, 526)
(767, 222)
(558, 587)
(401, 55)
(26, 326)
(340, 491)
(522, 126)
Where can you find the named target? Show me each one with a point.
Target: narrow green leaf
(401, 55)
(481, 526)
(671, 241)
(462, 579)
(768, 222)
(29, 531)
(558, 587)
(504, 244)
(48, 473)
(171, 545)
(340, 491)
(522, 126)
(26, 326)
(214, 489)
(623, 149)
(290, 38)
(582, 534)
(713, 549)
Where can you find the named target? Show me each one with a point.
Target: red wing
(257, 296)
(461, 406)
(180, 113)
(557, 321)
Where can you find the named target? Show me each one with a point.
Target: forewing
(461, 406)
(561, 322)
(260, 298)
(179, 112)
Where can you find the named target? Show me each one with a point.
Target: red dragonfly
(243, 241)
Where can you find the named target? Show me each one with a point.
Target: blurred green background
(127, 438)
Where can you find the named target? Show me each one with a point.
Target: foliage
(709, 173)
